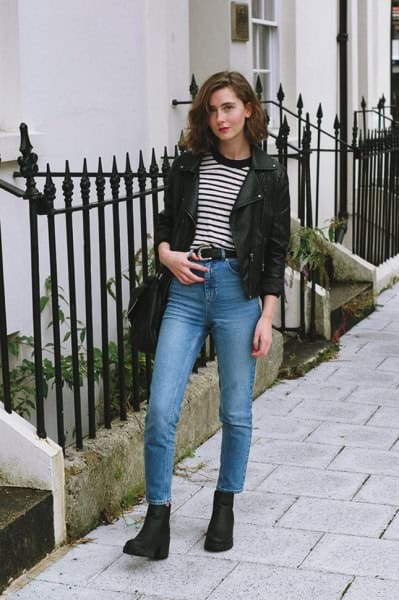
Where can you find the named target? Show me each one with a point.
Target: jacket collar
(260, 160)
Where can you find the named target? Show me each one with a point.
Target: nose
(219, 116)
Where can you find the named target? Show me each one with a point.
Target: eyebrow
(224, 104)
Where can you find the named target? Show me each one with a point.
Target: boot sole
(159, 554)
(217, 547)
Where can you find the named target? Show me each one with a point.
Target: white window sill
(9, 144)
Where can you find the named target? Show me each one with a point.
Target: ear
(248, 110)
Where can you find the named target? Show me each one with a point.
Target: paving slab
(380, 348)
(258, 508)
(354, 435)
(264, 545)
(274, 405)
(305, 481)
(42, 590)
(336, 411)
(337, 516)
(355, 555)
(386, 416)
(376, 396)
(366, 588)
(380, 490)
(390, 364)
(327, 392)
(371, 377)
(81, 564)
(177, 578)
(362, 460)
(293, 453)
(284, 428)
(258, 582)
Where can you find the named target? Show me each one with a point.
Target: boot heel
(162, 552)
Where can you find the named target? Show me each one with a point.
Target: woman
(223, 235)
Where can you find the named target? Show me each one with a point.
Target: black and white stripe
(220, 181)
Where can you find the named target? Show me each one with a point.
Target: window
(265, 48)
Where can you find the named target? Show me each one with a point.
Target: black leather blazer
(259, 221)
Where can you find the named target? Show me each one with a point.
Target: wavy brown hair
(198, 137)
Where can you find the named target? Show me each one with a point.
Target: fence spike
(383, 99)
(258, 87)
(285, 126)
(115, 177)
(28, 161)
(363, 103)
(337, 124)
(49, 188)
(141, 171)
(128, 168)
(67, 184)
(299, 103)
(100, 179)
(85, 183)
(165, 164)
(319, 113)
(154, 169)
(307, 134)
(280, 94)
(193, 87)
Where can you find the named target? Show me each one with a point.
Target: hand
(179, 264)
(262, 339)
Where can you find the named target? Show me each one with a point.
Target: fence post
(28, 168)
(5, 366)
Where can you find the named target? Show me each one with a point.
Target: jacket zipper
(250, 274)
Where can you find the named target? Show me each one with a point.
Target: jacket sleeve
(164, 228)
(277, 244)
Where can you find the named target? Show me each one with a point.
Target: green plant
(21, 352)
(309, 251)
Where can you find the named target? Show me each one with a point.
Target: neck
(235, 151)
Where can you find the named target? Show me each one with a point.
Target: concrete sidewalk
(318, 519)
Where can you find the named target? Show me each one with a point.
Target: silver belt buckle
(200, 249)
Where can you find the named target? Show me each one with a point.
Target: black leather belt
(208, 252)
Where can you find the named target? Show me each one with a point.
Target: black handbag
(145, 311)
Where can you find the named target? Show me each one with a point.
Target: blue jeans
(218, 305)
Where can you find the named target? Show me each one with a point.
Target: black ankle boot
(219, 536)
(154, 537)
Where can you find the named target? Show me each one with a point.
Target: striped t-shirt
(220, 181)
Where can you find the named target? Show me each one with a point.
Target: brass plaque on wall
(239, 22)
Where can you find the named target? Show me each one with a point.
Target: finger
(197, 267)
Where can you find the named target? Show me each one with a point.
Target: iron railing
(79, 353)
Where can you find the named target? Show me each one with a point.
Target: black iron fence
(85, 356)
(86, 352)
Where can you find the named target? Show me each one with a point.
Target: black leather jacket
(259, 221)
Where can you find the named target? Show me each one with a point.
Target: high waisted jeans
(218, 305)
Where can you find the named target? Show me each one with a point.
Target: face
(227, 115)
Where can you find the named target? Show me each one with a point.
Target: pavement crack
(347, 588)
(388, 524)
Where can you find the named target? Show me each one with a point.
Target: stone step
(26, 530)
(350, 303)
